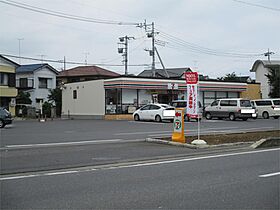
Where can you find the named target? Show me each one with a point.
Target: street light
(20, 39)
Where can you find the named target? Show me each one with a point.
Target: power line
(64, 15)
(180, 43)
(67, 62)
(257, 5)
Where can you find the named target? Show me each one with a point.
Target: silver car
(231, 108)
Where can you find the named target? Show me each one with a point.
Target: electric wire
(67, 62)
(257, 5)
(180, 43)
(64, 15)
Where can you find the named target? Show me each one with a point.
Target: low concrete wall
(84, 117)
(269, 142)
(119, 117)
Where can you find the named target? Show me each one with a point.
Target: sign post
(178, 126)
(192, 97)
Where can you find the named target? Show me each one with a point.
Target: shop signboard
(192, 93)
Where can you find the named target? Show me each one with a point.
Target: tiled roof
(34, 67)
(172, 73)
(87, 71)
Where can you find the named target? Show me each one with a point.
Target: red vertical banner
(192, 99)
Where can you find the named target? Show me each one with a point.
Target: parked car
(231, 108)
(183, 104)
(156, 112)
(5, 117)
(267, 107)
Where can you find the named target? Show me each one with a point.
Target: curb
(191, 146)
(269, 142)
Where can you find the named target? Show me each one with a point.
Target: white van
(267, 107)
(231, 108)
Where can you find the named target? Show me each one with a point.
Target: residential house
(84, 73)
(8, 91)
(261, 68)
(36, 79)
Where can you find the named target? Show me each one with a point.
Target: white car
(156, 112)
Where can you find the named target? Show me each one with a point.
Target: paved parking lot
(72, 131)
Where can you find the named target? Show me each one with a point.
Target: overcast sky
(215, 37)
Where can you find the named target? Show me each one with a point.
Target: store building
(123, 95)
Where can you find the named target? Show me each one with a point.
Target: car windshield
(245, 103)
(276, 102)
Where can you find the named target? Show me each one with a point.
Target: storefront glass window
(113, 101)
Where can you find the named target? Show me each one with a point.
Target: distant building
(84, 73)
(261, 68)
(174, 73)
(8, 91)
(36, 79)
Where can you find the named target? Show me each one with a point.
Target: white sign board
(192, 103)
(177, 123)
(172, 86)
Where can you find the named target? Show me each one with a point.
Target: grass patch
(214, 139)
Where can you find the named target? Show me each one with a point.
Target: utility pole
(268, 53)
(123, 49)
(153, 50)
(151, 34)
(19, 40)
(86, 54)
(64, 63)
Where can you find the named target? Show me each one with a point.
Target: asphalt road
(248, 179)
(85, 131)
(29, 146)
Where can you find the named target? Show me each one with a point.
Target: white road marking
(63, 143)
(269, 175)
(147, 122)
(61, 172)
(170, 131)
(3, 178)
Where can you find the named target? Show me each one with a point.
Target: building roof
(266, 63)
(172, 72)
(30, 68)
(87, 71)
(10, 61)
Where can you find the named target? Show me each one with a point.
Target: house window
(3, 79)
(43, 83)
(23, 83)
(74, 94)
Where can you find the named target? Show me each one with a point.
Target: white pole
(198, 121)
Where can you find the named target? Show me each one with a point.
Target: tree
(274, 82)
(55, 96)
(229, 77)
(23, 98)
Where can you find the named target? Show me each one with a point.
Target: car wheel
(158, 118)
(231, 117)
(265, 115)
(276, 117)
(136, 117)
(2, 124)
(208, 116)
(245, 119)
